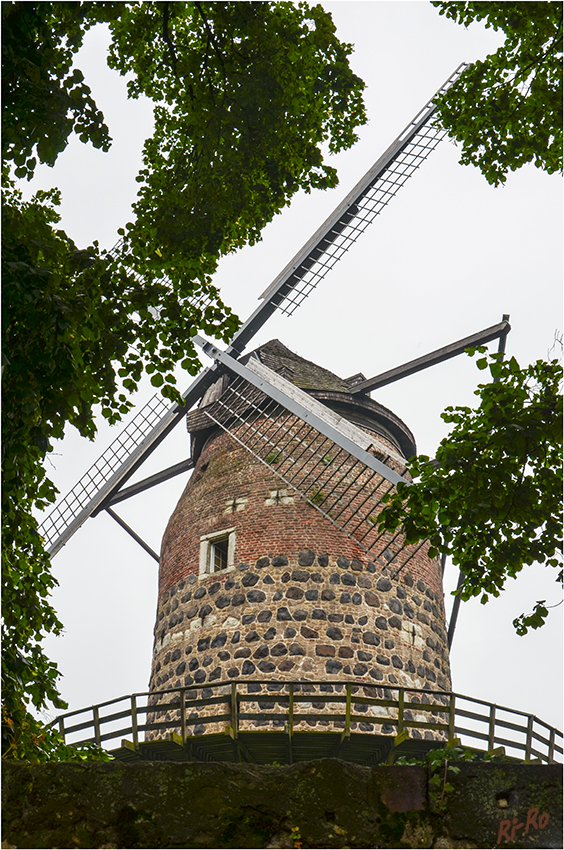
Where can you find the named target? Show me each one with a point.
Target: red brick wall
(226, 471)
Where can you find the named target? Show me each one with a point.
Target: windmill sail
(351, 218)
(323, 457)
(116, 465)
(95, 490)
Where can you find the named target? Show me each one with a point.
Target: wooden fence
(401, 717)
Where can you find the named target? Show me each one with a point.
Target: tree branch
(166, 36)
(211, 37)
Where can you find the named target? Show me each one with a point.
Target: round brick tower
(256, 584)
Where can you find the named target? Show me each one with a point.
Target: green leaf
(500, 123)
(493, 517)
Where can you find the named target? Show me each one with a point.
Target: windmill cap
(322, 385)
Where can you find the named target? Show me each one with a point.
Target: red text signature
(508, 828)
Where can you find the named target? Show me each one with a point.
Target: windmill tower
(272, 567)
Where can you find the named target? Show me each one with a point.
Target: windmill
(103, 486)
(258, 407)
(233, 392)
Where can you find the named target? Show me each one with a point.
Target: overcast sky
(447, 258)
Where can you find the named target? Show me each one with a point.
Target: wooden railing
(400, 712)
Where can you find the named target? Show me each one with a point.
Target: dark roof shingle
(302, 373)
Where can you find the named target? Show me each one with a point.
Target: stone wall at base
(316, 616)
(318, 804)
(309, 619)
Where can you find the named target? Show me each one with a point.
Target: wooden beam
(152, 481)
(396, 742)
(431, 359)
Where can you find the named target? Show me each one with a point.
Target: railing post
(348, 710)
(183, 714)
(491, 728)
(291, 709)
(134, 721)
(451, 716)
(234, 712)
(62, 727)
(529, 744)
(290, 724)
(551, 743)
(234, 722)
(97, 735)
(400, 710)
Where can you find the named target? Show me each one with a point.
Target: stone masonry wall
(308, 617)
(302, 603)
(327, 803)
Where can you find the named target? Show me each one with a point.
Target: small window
(217, 552)
(218, 555)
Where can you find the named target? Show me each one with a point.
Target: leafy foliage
(217, 168)
(438, 755)
(524, 622)
(492, 498)
(24, 738)
(44, 98)
(247, 96)
(439, 762)
(507, 109)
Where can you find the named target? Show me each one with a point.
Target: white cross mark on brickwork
(279, 497)
(236, 504)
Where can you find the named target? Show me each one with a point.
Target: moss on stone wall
(327, 803)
